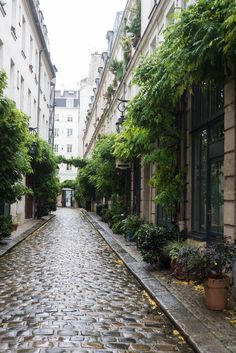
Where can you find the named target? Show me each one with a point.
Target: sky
(76, 29)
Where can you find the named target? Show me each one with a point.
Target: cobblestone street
(63, 290)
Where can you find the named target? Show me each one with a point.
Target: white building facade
(25, 57)
(66, 130)
(105, 113)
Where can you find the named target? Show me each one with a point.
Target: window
(12, 79)
(208, 161)
(56, 148)
(70, 103)
(22, 82)
(23, 36)
(36, 61)
(68, 167)
(56, 132)
(153, 45)
(70, 118)
(31, 52)
(13, 16)
(29, 102)
(69, 148)
(69, 132)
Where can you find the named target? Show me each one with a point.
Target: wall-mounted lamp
(121, 107)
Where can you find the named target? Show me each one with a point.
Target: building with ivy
(204, 120)
(25, 57)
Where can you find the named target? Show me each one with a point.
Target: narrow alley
(63, 290)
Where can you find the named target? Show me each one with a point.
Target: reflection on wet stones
(63, 290)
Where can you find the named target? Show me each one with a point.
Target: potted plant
(211, 265)
(172, 249)
(219, 259)
(130, 225)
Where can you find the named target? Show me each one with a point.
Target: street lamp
(121, 107)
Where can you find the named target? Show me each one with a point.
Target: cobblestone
(64, 290)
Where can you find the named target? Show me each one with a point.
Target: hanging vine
(199, 45)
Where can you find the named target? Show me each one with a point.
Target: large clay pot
(216, 290)
(177, 270)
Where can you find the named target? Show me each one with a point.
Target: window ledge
(13, 32)
(23, 54)
(2, 10)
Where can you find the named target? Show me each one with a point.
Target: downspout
(182, 224)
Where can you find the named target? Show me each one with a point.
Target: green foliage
(172, 248)
(77, 162)
(109, 93)
(116, 213)
(105, 177)
(84, 188)
(5, 226)
(14, 138)
(130, 226)
(117, 68)
(151, 239)
(135, 25)
(199, 46)
(68, 184)
(46, 184)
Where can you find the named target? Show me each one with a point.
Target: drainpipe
(182, 161)
(39, 87)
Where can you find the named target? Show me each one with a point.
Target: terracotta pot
(14, 227)
(216, 290)
(177, 270)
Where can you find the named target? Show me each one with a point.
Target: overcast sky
(77, 28)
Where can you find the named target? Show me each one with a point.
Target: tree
(46, 184)
(14, 139)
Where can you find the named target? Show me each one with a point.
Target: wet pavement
(64, 290)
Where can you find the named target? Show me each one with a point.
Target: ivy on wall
(199, 46)
(14, 139)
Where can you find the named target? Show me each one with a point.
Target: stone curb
(199, 337)
(19, 238)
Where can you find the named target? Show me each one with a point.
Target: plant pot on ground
(172, 249)
(210, 265)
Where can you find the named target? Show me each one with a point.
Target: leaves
(198, 46)
(14, 138)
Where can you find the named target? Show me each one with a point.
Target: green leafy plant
(135, 25)
(117, 68)
(46, 184)
(109, 93)
(213, 261)
(130, 226)
(5, 226)
(199, 46)
(151, 240)
(14, 139)
(173, 248)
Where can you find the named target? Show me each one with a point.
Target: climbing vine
(14, 138)
(199, 46)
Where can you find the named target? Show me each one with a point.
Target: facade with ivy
(25, 57)
(204, 125)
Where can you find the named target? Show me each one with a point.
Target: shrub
(101, 208)
(130, 225)
(214, 260)
(5, 226)
(117, 227)
(151, 240)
